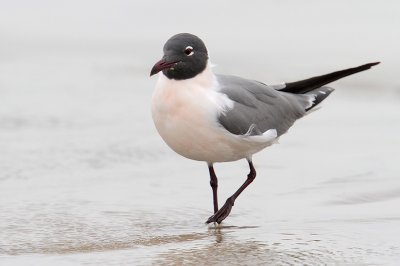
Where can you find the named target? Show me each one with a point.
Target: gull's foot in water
(222, 213)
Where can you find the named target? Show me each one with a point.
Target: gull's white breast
(185, 113)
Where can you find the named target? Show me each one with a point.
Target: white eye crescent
(189, 51)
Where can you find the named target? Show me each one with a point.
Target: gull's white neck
(185, 113)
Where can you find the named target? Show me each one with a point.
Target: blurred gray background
(85, 178)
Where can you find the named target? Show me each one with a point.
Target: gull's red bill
(160, 65)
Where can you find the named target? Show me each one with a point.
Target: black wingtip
(304, 86)
(374, 63)
(369, 65)
(319, 95)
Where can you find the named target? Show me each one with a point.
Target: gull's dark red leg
(214, 186)
(222, 213)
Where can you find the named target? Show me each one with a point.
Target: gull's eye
(189, 51)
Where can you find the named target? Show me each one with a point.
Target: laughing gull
(218, 118)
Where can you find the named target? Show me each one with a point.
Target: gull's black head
(185, 56)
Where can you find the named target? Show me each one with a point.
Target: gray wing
(259, 107)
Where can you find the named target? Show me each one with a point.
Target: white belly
(186, 118)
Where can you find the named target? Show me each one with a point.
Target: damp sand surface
(86, 180)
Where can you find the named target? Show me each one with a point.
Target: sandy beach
(86, 180)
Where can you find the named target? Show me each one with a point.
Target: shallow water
(86, 180)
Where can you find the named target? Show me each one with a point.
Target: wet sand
(86, 180)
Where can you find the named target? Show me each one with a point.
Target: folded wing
(258, 107)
